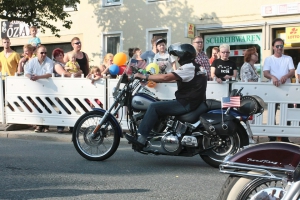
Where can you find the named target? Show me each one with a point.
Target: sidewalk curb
(67, 137)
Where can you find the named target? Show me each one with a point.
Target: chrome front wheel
(103, 145)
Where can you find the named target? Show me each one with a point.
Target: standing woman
(107, 62)
(223, 68)
(248, 71)
(81, 57)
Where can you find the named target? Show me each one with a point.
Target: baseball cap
(161, 40)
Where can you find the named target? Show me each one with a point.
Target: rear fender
(271, 154)
(110, 116)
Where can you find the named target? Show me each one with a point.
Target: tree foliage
(39, 13)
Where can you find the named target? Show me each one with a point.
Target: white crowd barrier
(53, 101)
(60, 101)
(285, 94)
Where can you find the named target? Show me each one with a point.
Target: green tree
(39, 13)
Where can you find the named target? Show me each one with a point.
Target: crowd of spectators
(35, 64)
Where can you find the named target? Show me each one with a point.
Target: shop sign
(14, 29)
(232, 39)
(292, 34)
(190, 30)
(280, 9)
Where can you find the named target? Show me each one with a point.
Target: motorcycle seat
(213, 104)
(193, 116)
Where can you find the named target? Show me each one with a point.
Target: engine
(171, 143)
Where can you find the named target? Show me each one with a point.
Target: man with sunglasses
(279, 69)
(37, 68)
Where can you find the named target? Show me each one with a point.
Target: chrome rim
(262, 189)
(99, 146)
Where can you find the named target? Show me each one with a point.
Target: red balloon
(122, 69)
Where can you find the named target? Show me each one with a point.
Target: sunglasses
(77, 43)
(43, 53)
(279, 46)
(225, 52)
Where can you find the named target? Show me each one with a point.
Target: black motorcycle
(208, 131)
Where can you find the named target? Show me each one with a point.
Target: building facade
(111, 26)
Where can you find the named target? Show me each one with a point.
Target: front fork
(106, 114)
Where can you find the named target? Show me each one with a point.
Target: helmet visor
(175, 50)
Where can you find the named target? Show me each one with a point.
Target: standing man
(149, 55)
(81, 57)
(9, 59)
(201, 57)
(279, 69)
(40, 67)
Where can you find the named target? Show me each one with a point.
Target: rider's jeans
(161, 108)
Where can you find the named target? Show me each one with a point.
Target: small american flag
(231, 102)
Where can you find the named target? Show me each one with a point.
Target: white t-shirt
(34, 67)
(186, 72)
(279, 67)
(164, 62)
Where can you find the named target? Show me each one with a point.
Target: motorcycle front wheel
(243, 188)
(101, 147)
(226, 144)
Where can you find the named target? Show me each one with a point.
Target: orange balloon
(151, 84)
(120, 59)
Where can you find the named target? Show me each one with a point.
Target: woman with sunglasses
(248, 70)
(81, 57)
(223, 68)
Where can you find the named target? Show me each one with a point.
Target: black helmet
(185, 52)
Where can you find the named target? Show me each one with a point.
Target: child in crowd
(97, 75)
(72, 66)
(165, 61)
(34, 41)
(96, 72)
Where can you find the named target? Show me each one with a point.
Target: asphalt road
(35, 169)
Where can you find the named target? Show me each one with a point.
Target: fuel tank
(141, 101)
(270, 154)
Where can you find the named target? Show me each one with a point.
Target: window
(112, 43)
(163, 32)
(71, 8)
(112, 2)
(151, 1)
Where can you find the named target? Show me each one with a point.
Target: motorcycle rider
(191, 84)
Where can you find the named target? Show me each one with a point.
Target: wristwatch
(147, 76)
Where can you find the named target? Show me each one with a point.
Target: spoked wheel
(103, 145)
(222, 145)
(242, 188)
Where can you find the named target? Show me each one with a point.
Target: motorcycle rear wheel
(243, 188)
(104, 145)
(229, 145)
